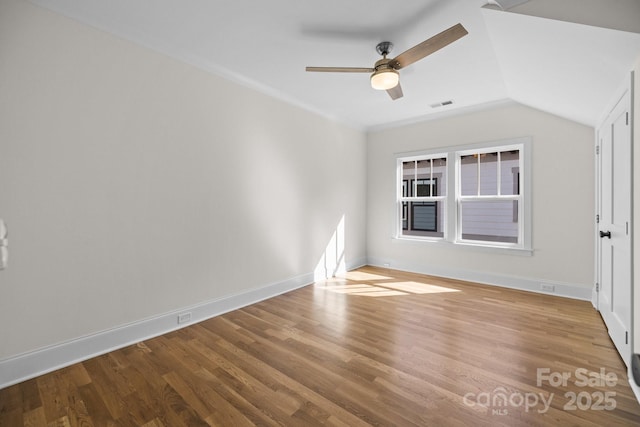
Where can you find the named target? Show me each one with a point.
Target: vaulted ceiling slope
(564, 57)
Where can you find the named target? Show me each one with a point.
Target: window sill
(466, 246)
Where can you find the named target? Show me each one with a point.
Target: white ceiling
(568, 69)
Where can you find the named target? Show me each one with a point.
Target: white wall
(563, 198)
(134, 185)
(636, 208)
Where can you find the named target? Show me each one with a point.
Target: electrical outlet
(4, 245)
(386, 265)
(547, 287)
(184, 317)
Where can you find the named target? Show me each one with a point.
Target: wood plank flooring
(376, 347)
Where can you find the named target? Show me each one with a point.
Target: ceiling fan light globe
(385, 79)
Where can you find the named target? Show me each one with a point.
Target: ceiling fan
(385, 74)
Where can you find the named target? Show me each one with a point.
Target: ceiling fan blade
(340, 69)
(428, 46)
(395, 92)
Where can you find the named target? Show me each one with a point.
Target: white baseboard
(634, 387)
(594, 298)
(360, 262)
(38, 362)
(567, 290)
(32, 364)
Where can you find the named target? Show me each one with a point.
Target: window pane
(423, 219)
(408, 172)
(469, 175)
(404, 215)
(490, 221)
(420, 186)
(510, 172)
(489, 174)
(425, 188)
(431, 177)
(440, 176)
(424, 167)
(405, 187)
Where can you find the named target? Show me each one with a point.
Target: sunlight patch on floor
(362, 276)
(364, 290)
(384, 290)
(419, 288)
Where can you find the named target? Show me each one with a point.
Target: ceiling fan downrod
(384, 48)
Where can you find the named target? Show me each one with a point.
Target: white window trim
(400, 198)
(452, 228)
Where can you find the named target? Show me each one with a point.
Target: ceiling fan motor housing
(383, 64)
(385, 76)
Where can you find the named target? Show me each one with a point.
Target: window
(489, 196)
(486, 206)
(424, 192)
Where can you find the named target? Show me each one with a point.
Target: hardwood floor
(377, 347)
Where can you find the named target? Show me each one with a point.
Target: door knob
(605, 234)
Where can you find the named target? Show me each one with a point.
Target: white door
(614, 298)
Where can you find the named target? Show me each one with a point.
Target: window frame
(452, 223)
(411, 188)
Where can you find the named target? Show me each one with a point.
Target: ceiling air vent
(441, 104)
